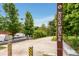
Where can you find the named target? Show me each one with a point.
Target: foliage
(2, 47)
(71, 23)
(21, 30)
(52, 27)
(53, 38)
(70, 40)
(74, 43)
(29, 25)
(71, 18)
(2, 22)
(12, 15)
(39, 33)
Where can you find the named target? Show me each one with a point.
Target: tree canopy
(71, 18)
(29, 24)
(12, 16)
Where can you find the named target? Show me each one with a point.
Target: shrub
(39, 33)
(54, 38)
(70, 40)
(2, 47)
(74, 43)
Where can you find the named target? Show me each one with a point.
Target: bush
(39, 33)
(54, 38)
(74, 43)
(67, 39)
(2, 47)
(70, 40)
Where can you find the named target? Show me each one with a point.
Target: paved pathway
(42, 46)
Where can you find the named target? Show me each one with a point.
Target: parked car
(19, 35)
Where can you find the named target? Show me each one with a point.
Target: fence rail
(14, 40)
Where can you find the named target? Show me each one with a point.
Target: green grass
(53, 38)
(2, 47)
(70, 40)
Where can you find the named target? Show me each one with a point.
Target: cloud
(45, 20)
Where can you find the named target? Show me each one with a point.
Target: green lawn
(2, 47)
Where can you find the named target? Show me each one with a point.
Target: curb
(69, 51)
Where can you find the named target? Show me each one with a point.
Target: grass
(2, 47)
(70, 40)
(53, 38)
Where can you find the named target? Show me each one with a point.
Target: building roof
(3, 32)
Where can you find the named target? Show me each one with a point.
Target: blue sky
(41, 12)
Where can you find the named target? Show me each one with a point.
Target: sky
(42, 13)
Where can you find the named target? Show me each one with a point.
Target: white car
(19, 35)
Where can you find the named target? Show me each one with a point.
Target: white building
(3, 36)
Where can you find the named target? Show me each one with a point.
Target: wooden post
(10, 48)
(59, 29)
(30, 51)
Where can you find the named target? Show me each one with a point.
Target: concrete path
(41, 47)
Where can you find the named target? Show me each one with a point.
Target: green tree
(45, 28)
(52, 27)
(71, 22)
(12, 15)
(3, 23)
(29, 24)
(71, 19)
(40, 31)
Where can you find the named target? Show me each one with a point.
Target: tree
(40, 31)
(43, 27)
(12, 15)
(52, 27)
(3, 23)
(71, 18)
(29, 25)
(21, 28)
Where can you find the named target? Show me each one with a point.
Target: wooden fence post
(10, 48)
(31, 51)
